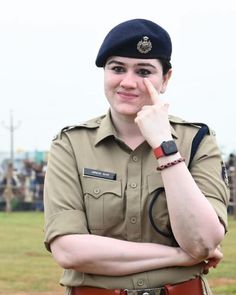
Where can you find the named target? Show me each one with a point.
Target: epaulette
(177, 120)
(90, 124)
(65, 129)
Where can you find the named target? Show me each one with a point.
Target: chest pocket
(157, 205)
(103, 203)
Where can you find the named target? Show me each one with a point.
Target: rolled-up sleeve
(207, 171)
(63, 197)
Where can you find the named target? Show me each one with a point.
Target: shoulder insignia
(224, 174)
(69, 128)
(55, 137)
(213, 132)
(90, 124)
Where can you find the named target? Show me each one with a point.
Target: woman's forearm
(107, 256)
(194, 222)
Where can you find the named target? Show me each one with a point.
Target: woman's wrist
(184, 259)
(156, 142)
(168, 159)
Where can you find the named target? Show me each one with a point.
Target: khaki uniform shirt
(112, 197)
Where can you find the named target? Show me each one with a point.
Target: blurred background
(48, 79)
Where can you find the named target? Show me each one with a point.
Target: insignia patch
(145, 45)
(224, 174)
(55, 137)
(99, 174)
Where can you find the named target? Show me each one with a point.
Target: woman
(126, 209)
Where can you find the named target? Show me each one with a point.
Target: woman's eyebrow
(142, 64)
(113, 61)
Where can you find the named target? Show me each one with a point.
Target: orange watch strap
(158, 152)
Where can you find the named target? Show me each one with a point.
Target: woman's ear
(165, 81)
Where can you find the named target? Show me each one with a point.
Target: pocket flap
(97, 187)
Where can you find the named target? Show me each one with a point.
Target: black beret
(136, 38)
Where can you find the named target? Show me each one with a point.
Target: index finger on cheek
(152, 91)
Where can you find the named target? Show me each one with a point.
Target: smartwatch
(167, 148)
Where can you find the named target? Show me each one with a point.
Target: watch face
(169, 147)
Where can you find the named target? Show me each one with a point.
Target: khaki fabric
(79, 204)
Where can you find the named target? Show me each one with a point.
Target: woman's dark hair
(166, 65)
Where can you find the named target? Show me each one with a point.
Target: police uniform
(95, 184)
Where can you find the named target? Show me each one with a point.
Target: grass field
(27, 268)
(25, 265)
(223, 278)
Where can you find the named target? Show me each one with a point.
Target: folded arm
(113, 257)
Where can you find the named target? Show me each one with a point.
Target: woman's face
(124, 86)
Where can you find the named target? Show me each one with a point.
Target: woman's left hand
(153, 120)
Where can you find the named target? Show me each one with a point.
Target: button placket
(133, 185)
(133, 219)
(135, 158)
(133, 197)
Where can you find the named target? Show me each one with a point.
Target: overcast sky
(49, 80)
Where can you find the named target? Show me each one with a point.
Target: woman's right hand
(213, 261)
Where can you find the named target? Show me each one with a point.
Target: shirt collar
(107, 129)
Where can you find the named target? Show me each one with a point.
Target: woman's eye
(143, 72)
(118, 69)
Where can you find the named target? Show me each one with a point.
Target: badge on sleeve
(224, 174)
(55, 137)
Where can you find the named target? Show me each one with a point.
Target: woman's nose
(128, 80)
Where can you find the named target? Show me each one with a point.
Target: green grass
(25, 265)
(223, 278)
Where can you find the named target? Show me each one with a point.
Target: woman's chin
(127, 111)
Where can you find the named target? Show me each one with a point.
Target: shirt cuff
(64, 223)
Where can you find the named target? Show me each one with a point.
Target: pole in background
(8, 192)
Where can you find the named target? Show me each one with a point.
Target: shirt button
(96, 190)
(133, 219)
(133, 185)
(140, 282)
(135, 158)
(99, 121)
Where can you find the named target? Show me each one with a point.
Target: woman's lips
(127, 95)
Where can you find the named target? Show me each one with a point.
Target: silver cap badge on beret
(145, 45)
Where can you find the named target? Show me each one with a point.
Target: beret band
(137, 38)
